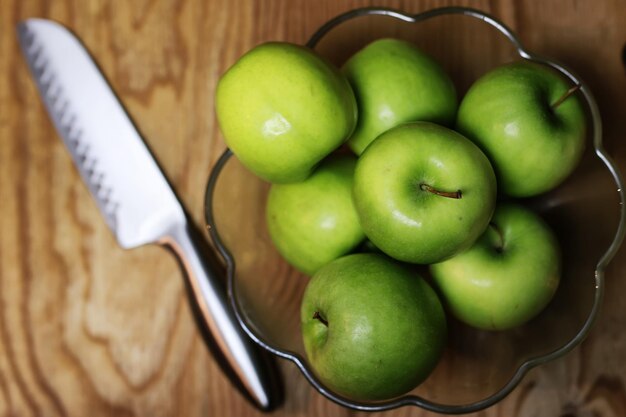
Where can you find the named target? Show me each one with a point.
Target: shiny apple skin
(314, 222)
(411, 224)
(508, 276)
(396, 82)
(384, 332)
(282, 109)
(509, 114)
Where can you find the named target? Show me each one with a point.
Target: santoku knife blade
(132, 193)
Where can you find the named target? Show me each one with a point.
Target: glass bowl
(478, 368)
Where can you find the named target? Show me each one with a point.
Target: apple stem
(450, 194)
(500, 246)
(564, 97)
(319, 317)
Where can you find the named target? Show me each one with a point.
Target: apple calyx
(565, 96)
(319, 317)
(499, 247)
(449, 194)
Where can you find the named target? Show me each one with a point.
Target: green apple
(372, 329)
(395, 82)
(423, 192)
(507, 277)
(282, 109)
(528, 120)
(314, 221)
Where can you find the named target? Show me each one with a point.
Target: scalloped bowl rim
(528, 364)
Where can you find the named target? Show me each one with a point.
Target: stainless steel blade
(133, 195)
(129, 188)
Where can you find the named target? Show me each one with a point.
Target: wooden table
(89, 329)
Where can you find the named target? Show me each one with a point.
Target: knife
(135, 198)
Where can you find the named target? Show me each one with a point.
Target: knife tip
(25, 36)
(25, 32)
(22, 29)
(28, 28)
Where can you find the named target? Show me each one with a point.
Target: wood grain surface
(87, 329)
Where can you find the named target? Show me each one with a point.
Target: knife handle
(251, 370)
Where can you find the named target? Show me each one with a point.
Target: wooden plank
(89, 329)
